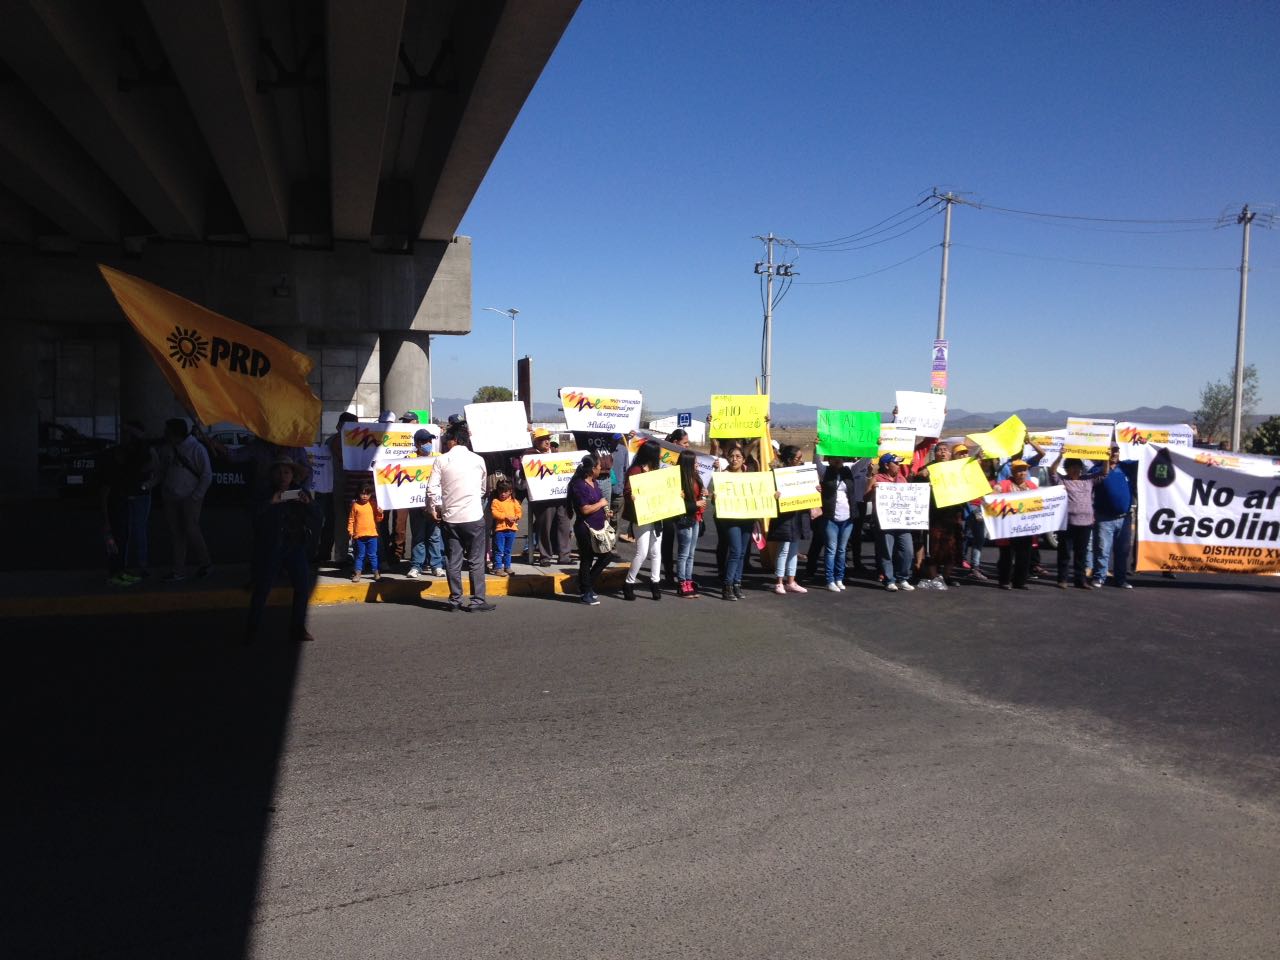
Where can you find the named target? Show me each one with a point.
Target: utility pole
(770, 270)
(1237, 413)
(948, 199)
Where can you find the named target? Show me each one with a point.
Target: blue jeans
(503, 541)
(428, 544)
(1111, 548)
(737, 534)
(366, 547)
(136, 549)
(686, 543)
(788, 556)
(838, 533)
(895, 558)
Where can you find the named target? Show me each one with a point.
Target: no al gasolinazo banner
(657, 495)
(744, 496)
(738, 415)
(362, 442)
(1202, 511)
(1024, 513)
(1131, 437)
(797, 487)
(848, 433)
(218, 368)
(601, 409)
(902, 506)
(548, 474)
(400, 483)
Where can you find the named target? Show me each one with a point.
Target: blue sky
(618, 216)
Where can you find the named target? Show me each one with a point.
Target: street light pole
(511, 312)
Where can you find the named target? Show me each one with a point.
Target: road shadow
(146, 750)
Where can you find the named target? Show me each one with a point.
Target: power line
(848, 238)
(1089, 263)
(863, 276)
(1071, 216)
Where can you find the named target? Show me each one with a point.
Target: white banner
(601, 409)
(400, 483)
(1204, 511)
(1088, 439)
(548, 474)
(497, 426)
(361, 442)
(321, 461)
(1024, 513)
(1132, 437)
(797, 487)
(1050, 441)
(924, 411)
(903, 506)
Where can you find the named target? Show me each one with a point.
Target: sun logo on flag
(187, 347)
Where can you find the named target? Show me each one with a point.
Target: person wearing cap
(552, 520)
(1014, 566)
(284, 527)
(1074, 541)
(895, 545)
(426, 545)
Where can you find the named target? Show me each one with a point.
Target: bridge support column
(404, 361)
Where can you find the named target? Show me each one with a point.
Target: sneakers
(779, 589)
(1125, 586)
(977, 574)
(892, 587)
(833, 586)
(796, 588)
(840, 585)
(479, 606)
(925, 584)
(591, 600)
(438, 572)
(174, 577)
(939, 583)
(414, 573)
(904, 585)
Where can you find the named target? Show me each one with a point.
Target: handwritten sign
(601, 409)
(903, 506)
(1132, 437)
(848, 433)
(797, 487)
(548, 474)
(497, 426)
(738, 415)
(1089, 439)
(321, 460)
(957, 481)
(744, 496)
(1004, 441)
(400, 483)
(657, 495)
(898, 440)
(924, 411)
(362, 442)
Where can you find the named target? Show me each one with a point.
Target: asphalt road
(945, 775)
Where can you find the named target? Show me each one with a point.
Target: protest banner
(497, 426)
(1088, 439)
(957, 481)
(1003, 441)
(902, 506)
(657, 495)
(938, 369)
(669, 453)
(848, 433)
(745, 496)
(321, 461)
(597, 443)
(400, 483)
(601, 409)
(738, 415)
(1131, 437)
(548, 474)
(797, 487)
(1202, 511)
(362, 442)
(1050, 441)
(924, 411)
(1025, 512)
(220, 369)
(898, 440)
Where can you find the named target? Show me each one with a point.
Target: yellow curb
(387, 590)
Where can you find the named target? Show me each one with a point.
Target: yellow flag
(220, 369)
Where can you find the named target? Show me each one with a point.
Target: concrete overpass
(298, 165)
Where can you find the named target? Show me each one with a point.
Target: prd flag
(220, 369)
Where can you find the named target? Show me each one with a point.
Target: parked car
(68, 459)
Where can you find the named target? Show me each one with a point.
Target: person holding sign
(689, 523)
(895, 545)
(840, 513)
(284, 526)
(552, 523)
(734, 535)
(648, 535)
(1074, 541)
(946, 531)
(591, 512)
(787, 531)
(1014, 566)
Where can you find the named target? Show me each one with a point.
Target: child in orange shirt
(362, 528)
(506, 515)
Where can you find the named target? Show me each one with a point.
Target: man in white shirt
(187, 475)
(455, 495)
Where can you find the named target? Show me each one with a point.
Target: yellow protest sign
(1088, 439)
(744, 496)
(957, 481)
(657, 495)
(738, 415)
(1004, 441)
(797, 487)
